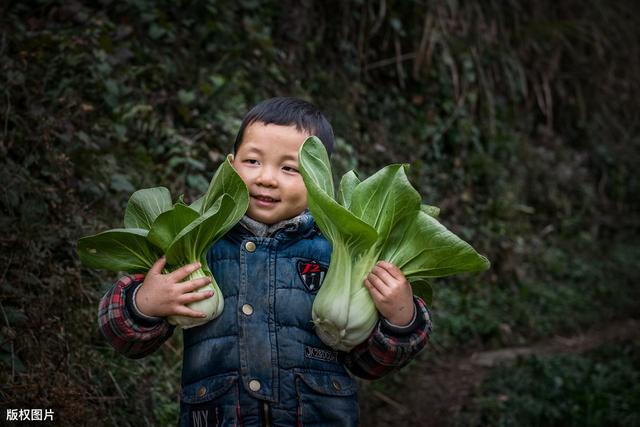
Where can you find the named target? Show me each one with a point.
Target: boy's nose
(266, 178)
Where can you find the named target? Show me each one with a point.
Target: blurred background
(520, 119)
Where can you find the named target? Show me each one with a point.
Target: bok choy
(380, 218)
(153, 226)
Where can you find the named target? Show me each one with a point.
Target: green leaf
(120, 249)
(112, 86)
(314, 160)
(197, 182)
(348, 183)
(422, 247)
(195, 239)
(384, 199)
(169, 224)
(120, 182)
(197, 205)
(156, 31)
(432, 211)
(121, 131)
(226, 181)
(338, 224)
(145, 205)
(186, 97)
(422, 288)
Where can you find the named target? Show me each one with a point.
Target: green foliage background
(520, 120)
(602, 389)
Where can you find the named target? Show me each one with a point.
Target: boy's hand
(162, 295)
(391, 293)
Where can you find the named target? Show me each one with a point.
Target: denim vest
(260, 362)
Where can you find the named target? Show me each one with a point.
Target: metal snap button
(254, 385)
(250, 247)
(202, 391)
(247, 309)
(336, 384)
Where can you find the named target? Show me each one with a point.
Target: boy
(260, 362)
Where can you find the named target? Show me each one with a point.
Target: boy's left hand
(391, 293)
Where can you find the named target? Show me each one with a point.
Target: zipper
(266, 414)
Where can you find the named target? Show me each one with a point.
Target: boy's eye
(289, 169)
(251, 161)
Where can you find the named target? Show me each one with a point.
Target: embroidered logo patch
(321, 354)
(312, 274)
(203, 415)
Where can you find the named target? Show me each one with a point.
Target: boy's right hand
(162, 295)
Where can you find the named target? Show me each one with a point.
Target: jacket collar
(298, 226)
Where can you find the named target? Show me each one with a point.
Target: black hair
(286, 111)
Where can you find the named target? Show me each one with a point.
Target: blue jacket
(261, 360)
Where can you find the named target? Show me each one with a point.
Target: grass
(601, 388)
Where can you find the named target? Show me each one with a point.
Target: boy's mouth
(264, 199)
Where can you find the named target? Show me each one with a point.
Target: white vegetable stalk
(212, 307)
(343, 312)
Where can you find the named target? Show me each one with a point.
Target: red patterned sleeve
(386, 351)
(130, 336)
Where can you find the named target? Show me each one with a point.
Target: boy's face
(267, 161)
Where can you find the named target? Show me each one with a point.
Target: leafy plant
(599, 388)
(183, 233)
(380, 218)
